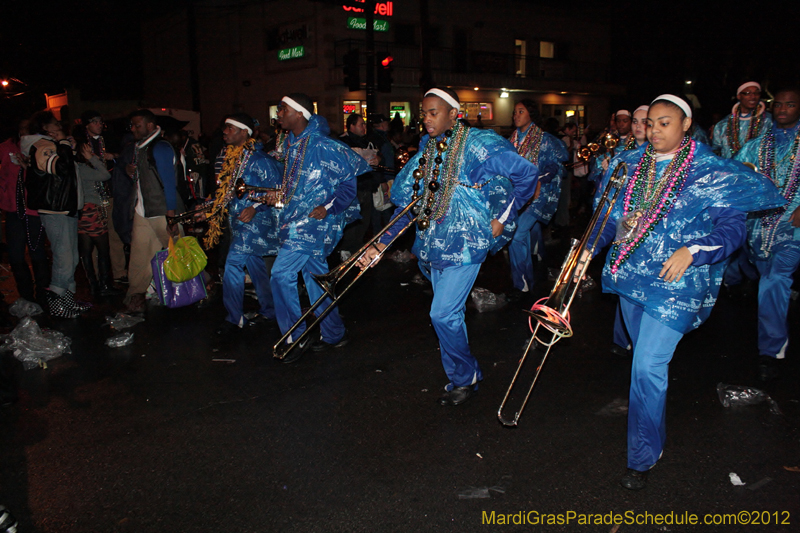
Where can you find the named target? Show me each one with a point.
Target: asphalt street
(184, 432)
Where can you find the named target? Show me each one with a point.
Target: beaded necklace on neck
(530, 145)
(753, 129)
(652, 197)
(291, 173)
(766, 162)
(21, 212)
(440, 176)
(236, 159)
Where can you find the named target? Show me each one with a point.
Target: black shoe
(767, 368)
(322, 346)
(616, 349)
(297, 351)
(61, 306)
(458, 395)
(108, 289)
(634, 480)
(226, 329)
(260, 321)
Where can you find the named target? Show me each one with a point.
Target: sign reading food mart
(357, 23)
(383, 9)
(291, 53)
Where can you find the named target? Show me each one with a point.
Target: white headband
(623, 112)
(239, 125)
(297, 107)
(680, 102)
(444, 96)
(644, 108)
(745, 85)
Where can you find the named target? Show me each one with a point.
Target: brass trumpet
(189, 215)
(330, 280)
(605, 142)
(241, 189)
(553, 315)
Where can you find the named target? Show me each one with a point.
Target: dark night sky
(96, 45)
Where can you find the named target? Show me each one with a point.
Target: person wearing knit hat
(748, 120)
(318, 193)
(681, 215)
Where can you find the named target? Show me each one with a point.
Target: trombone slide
(553, 314)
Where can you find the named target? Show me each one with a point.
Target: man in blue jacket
(318, 193)
(456, 224)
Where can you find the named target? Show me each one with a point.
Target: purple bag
(174, 294)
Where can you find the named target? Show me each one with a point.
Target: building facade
(224, 57)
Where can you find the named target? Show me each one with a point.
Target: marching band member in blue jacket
(253, 225)
(748, 120)
(549, 155)
(318, 193)
(455, 228)
(681, 214)
(774, 238)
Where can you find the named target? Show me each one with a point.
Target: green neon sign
(291, 53)
(359, 23)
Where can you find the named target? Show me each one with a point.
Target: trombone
(330, 280)
(553, 314)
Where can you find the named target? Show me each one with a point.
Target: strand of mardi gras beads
(439, 176)
(291, 173)
(756, 120)
(656, 199)
(766, 160)
(531, 144)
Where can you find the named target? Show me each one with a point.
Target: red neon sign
(384, 9)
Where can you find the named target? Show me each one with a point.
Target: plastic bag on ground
(123, 321)
(118, 341)
(35, 346)
(737, 395)
(22, 307)
(486, 300)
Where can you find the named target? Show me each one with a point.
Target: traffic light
(352, 74)
(385, 69)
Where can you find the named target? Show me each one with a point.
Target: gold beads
(441, 146)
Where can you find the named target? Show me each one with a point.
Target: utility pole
(369, 11)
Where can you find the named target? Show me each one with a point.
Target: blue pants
(451, 287)
(62, 232)
(529, 229)
(774, 290)
(233, 286)
(653, 346)
(621, 337)
(287, 298)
